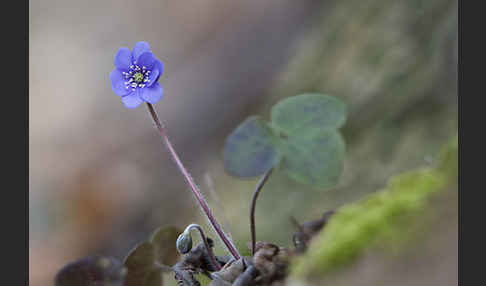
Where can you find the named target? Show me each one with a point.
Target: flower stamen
(136, 77)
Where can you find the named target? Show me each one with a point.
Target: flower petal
(132, 100)
(140, 48)
(153, 77)
(118, 83)
(152, 94)
(155, 72)
(159, 66)
(147, 60)
(123, 59)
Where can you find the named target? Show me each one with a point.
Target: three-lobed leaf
(309, 113)
(250, 149)
(303, 135)
(316, 159)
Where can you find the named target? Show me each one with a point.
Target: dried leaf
(164, 243)
(92, 271)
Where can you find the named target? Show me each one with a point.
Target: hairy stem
(258, 188)
(192, 185)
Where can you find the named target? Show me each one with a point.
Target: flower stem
(262, 182)
(192, 184)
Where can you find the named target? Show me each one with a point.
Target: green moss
(383, 219)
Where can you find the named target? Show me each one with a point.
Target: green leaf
(310, 112)
(164, 243)
(140, 263)
(94, 270)
(250, 150)
(316, 159)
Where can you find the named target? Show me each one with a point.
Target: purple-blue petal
(159, 66)
(153, 77)
(118, 83)
(132, 100)
(139, 49)
(123, 59)
(147, 60)
(156, 71)
(152, 94)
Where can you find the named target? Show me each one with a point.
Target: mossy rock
(385, 219)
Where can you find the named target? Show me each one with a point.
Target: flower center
(136, 77)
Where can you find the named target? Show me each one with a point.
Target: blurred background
(100, 179)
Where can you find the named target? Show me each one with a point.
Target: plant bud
(184, 242)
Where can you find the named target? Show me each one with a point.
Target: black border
(471, 86)
(14, 118)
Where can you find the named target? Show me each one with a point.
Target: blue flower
(136, 74)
